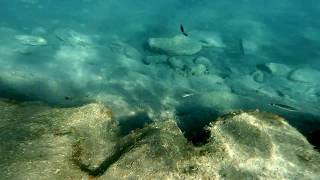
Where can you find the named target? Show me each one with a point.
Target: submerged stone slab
(31, 40)
(72, 37)
(208, 39)
(275, 68)
(243, 145)
(307, 75)
(42, 142)
(178, 45)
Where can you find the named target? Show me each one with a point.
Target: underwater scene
(170, 89)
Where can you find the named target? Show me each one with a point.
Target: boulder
(42, 142)
(73, 38)
(178, 45)
(241, 145)
(198, 70)
(306, 75)
(176, 63)
(202, 60)
(275, 68)
(157, 59)
(31, 40)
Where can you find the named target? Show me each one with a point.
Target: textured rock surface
(258, 76)
(31, 40)
(39, 142)
(275, 68)
(159, 59)
(178, 45)
(307, 75)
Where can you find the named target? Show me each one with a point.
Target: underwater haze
(134, 57)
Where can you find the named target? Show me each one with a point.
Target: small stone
(202, 60)
(275, 68)
(176, 63)
(199, 70)
(73, 38)
(132, 52)
(178, 45)
(207, 38)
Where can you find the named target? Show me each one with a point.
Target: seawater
(255, 53)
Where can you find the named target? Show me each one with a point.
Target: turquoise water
(238, 55)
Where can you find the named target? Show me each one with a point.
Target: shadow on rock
(130, 123)
(192, 120)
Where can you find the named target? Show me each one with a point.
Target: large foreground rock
(39, 142)
(178, 45)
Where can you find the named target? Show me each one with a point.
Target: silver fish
(284, 107)
(187, 95)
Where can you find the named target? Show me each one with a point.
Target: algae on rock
(41, 142)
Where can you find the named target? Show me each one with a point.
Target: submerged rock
(73, 38)
(208, 39)
(178, 45)
(258, 76)
(119, 47)
(176, 63)
(245, 145)
(198, 70)
(158, 59)
(202, 60)
(85, 142)
(307, 75)
(31, 40)
(275, 68)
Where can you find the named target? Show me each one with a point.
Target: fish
(187, 95)
(68, 98)
(284, 107)
(241, 48)
(182, 30)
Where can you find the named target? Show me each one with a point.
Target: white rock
(199, 70)
(73, 38)
(275, 68)
(220, 100)
(132, 52)
(176, 63)
(178, 45)
(207, 39)
(202, 60)
(31, 40)
(308, 75)
(207, 82)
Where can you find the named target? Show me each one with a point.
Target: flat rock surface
(275, 68)
(307, 75)
(41, 142)
(177, 45)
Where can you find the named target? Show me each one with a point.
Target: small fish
(68, 98)
(187, 95)
(182, 30)
(283, 106)
(241, 48)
